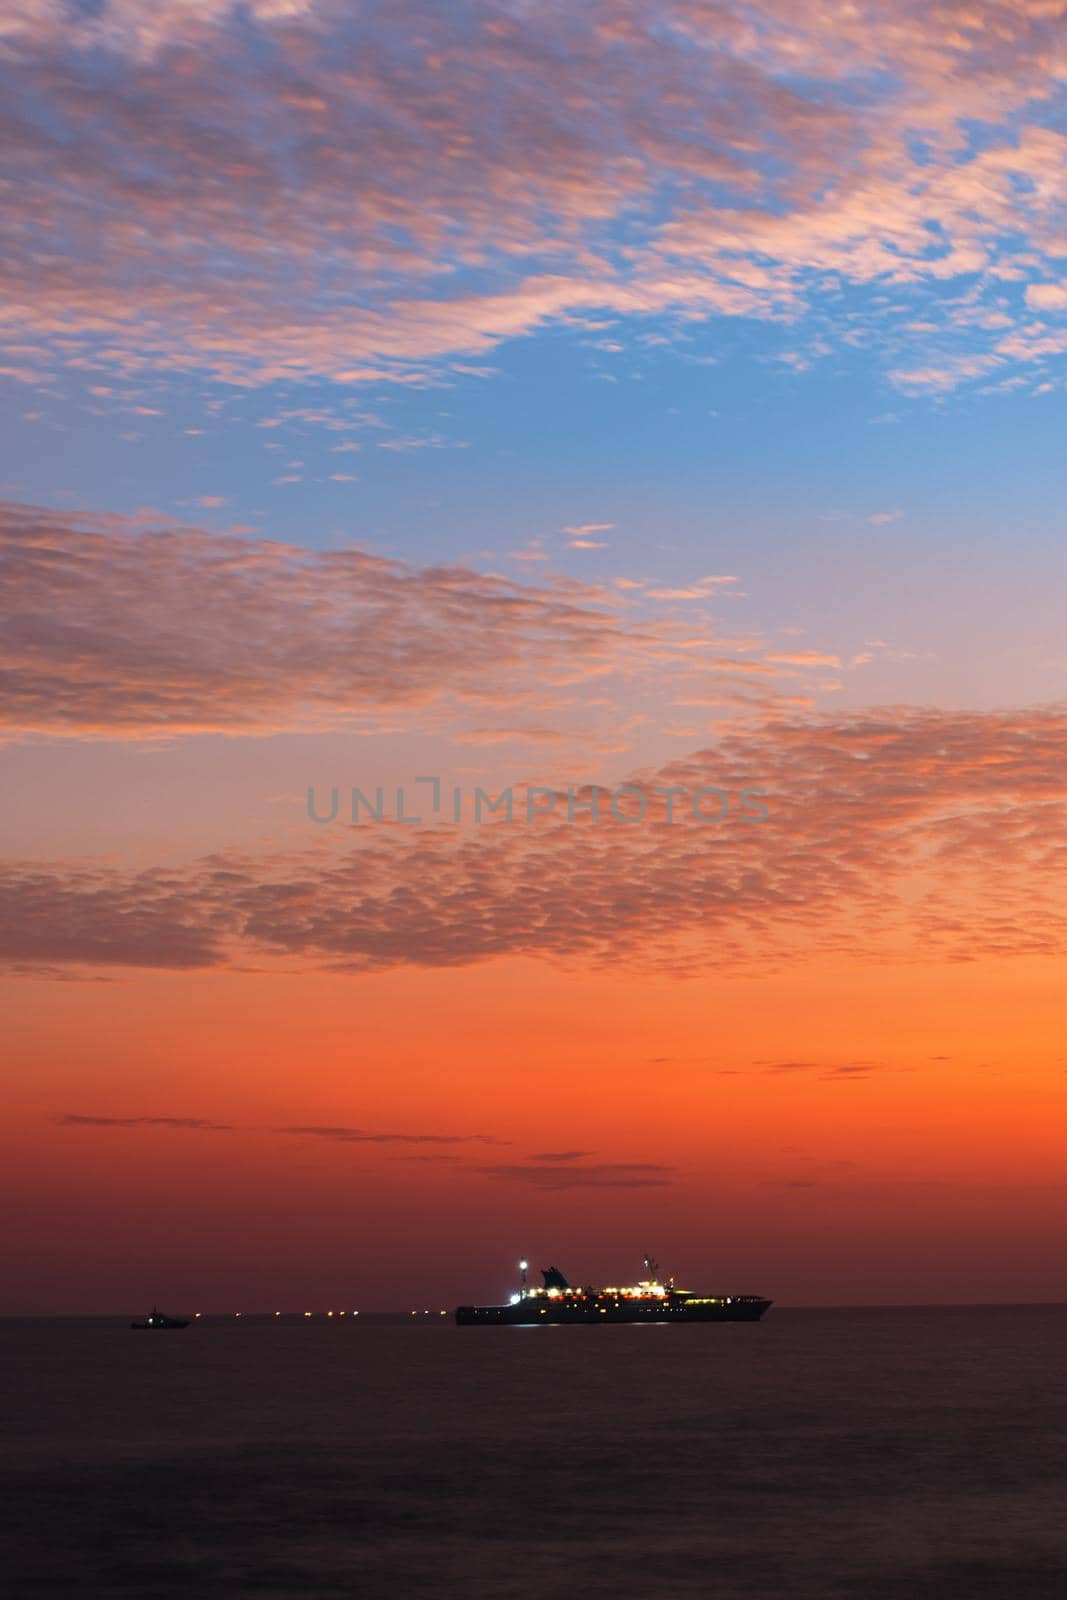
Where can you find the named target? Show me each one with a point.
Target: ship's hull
(537, 1313)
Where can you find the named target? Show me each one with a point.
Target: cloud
(850, 1069)
(791, 1066)
(339, 1135)
(371, 193)
(898, 834)
(1047, 296)
(342, 1135)
(802, 658)
(606, 1175)
(580, 535)
(115, 627)
(509, 736)
(141, 627)
(88, 915)
(192, 1124)
(560, 1155)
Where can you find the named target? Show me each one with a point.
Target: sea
(918, 1454)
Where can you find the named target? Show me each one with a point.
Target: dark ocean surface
(919, 1454)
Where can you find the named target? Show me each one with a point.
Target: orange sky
(815, 1054)
(797, 1133)
(541, 399)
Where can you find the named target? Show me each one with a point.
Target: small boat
(156, 1319)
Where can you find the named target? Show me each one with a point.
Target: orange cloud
(886, 832)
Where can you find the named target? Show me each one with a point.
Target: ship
(155, 1319)
(650, 1300)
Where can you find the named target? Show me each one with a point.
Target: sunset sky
(548, 397)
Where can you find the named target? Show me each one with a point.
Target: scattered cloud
(191, 1124)
(822, 1069)
(560, 1155)
(606, 1175)
(142, 627)
(580, 535)
(115, 627)
(888, 833)
(342, 1135)
(382, 213)
(335, 1134)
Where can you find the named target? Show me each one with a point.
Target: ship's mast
(652, 1268)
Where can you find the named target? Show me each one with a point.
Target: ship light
(515, 1299)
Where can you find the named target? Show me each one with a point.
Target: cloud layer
(337, 1135)
(898, 835)
(111, 627)
(303, 187)
(137, 627)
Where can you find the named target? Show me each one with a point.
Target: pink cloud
(406, 148)
(118, 627)
(143, 627)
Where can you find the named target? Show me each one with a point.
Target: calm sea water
(919, 1454)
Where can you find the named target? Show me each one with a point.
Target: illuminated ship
(156, 1319)
(648, 1301)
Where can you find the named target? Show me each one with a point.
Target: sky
(644, 417)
